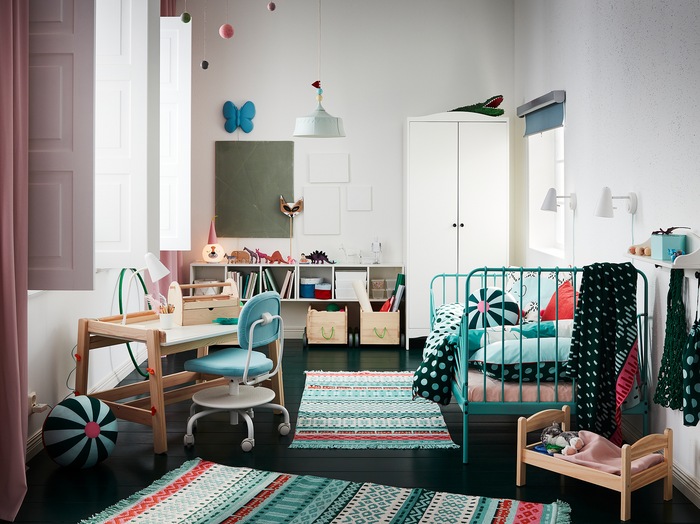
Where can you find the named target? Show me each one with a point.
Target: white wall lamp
(550, 200)
(605, 207)
(156, 270)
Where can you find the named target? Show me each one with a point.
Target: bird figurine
(670, 230)
(291, 210)
(489, 107)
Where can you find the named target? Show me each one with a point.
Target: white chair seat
(220, 398)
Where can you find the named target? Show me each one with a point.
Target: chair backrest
(267, 302)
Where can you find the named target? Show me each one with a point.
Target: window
(546, 169)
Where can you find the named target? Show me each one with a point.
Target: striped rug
(203, 492)
(367, 410)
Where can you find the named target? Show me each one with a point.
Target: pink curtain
(14, 220)
(167, 7)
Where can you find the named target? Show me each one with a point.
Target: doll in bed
(557, 441)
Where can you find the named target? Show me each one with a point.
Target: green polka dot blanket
(604, 346)
(691, 377)
(432, 378)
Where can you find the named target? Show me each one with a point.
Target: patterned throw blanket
(604, 347)
(203, 492)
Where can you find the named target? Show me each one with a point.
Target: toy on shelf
(213, 253)
(275, 257)
(253, 255)
(317, 257)
(640, 251)
(238, 257)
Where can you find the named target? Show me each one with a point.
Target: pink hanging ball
(271, 6)
(226, 31)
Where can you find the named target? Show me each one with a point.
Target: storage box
(351, 275)
(664, 246)
(322, 291)
(327, 327)
(380, 327)
(204, 309)
(307, 287)
(345, 293)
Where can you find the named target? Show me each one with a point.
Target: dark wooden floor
(63, 495)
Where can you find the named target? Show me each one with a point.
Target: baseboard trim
(686, 484)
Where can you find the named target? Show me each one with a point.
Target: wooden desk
(144, 327)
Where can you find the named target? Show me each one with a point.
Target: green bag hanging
(691, 372)
(669, 388)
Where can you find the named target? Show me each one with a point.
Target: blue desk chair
(259, 324)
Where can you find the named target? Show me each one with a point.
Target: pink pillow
(566, 303)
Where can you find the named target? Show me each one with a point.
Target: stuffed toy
(557, 441)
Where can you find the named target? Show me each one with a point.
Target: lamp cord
(319, 40)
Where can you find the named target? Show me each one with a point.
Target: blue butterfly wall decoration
(236, 118)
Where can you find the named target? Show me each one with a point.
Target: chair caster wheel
(247, 444)
(283, 429)
(189, 441)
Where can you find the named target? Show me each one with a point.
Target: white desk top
(179, 334)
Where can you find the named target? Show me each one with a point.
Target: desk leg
(273, 351)
(82, 358)
(160, 440)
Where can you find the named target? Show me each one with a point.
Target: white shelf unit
(689, 261)
(365, 272)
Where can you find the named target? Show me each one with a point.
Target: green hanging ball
(185, 17)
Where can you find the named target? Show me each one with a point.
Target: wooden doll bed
(625, 483)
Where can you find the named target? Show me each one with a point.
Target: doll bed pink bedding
(601, 454)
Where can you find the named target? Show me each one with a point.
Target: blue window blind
(543, 113)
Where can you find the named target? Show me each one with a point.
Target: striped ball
(80, 432)
(491, 307)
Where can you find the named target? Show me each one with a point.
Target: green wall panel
(250, 177)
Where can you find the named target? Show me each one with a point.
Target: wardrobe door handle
(454, 225)
(461, 225)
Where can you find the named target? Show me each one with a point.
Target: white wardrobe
(457, 202)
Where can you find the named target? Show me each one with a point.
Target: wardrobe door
(483, 194)
(431, 214)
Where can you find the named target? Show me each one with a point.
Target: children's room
(315, 260)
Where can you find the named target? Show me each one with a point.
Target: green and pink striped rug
(203, 492)
(367, 410)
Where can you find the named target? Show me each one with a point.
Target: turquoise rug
(367, 410)
(202, 492)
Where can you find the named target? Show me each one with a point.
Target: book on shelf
(290, 287)
(269, 279)
(285, 284)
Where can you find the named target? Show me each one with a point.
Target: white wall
(630, 71)
(381, 63)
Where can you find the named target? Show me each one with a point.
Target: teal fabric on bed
(505, 359)
(546, 329)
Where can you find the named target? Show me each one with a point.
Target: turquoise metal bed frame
(446, 287)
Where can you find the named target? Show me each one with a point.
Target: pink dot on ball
(226, 31)
(92, 429)
(271, 6)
